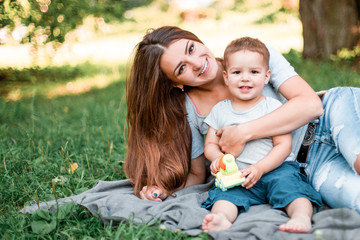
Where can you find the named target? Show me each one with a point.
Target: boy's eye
(236, 72)
(254, 71)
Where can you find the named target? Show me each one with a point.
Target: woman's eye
(181, 69)
(191, 48)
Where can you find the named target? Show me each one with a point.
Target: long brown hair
(159, 136)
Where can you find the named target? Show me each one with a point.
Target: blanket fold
(114, 201)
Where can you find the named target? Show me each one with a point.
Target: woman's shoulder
(281, 69)
(190, 106)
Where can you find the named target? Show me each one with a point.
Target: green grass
(41, 137)
(47, 125)
(322, 75)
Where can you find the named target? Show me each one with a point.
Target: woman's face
(187, 62)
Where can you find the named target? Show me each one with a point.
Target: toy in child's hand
(229, 174)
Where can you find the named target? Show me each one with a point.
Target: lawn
(41, 139)
(43, 136)
(47, 126)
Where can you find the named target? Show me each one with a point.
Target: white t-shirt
(223, 114)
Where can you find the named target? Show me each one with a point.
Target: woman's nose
(195, 63)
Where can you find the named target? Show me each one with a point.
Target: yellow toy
(229, 174)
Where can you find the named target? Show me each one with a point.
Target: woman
(159, 136)
(169, 60)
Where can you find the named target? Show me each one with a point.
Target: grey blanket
(115, 201)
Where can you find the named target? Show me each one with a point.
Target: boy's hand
(214, 167)
(252, 173)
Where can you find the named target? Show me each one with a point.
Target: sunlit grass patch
(59, 82)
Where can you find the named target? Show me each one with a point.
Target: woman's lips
(206, 67)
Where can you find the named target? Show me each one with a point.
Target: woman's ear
(180, 86)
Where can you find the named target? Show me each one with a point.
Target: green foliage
(323, 75)
(278, 15)
(51, 20)
(349, 57)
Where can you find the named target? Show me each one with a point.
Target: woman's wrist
(243, 130)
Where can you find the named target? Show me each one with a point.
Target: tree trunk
(329, 25)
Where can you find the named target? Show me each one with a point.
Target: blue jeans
(330, 162)
(279, 188)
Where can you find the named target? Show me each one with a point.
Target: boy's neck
(242, 105)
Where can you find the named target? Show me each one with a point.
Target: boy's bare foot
(299, 224)
(214, 222)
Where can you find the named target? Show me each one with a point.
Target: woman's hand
(152, 193)
(252, 173)
(232, 139)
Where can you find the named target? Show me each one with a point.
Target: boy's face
(246, 75)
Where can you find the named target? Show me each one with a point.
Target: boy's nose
(245, 77)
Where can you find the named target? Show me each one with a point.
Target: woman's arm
(197, 171)
(302, 107)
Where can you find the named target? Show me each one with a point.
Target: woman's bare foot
(214, 222)
(299, 224)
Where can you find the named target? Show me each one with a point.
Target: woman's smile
(189, 63)
(204, 70)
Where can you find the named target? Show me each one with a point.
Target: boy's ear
(267, 76)
(226, 80)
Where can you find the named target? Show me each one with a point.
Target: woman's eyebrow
(177, 66)
(186, 46)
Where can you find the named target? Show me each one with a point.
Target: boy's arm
(212, 150)
(277, 155)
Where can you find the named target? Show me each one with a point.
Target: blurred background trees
(43, 21)
(329, 26)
